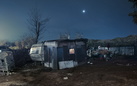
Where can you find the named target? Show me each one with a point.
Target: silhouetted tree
(65, 36)
(79, 35)
(18, 44)
(27, 41)
(134, 14)
(3, 43)
(37, 24)
(6, 43)
(134, 3)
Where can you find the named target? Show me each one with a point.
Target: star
(83, 11)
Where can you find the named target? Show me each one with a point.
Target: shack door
(60, 54)
(47, 56)
(63, 54)
(81, 53)
(65, 60)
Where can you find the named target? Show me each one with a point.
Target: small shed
(6, 61)
(67, 53)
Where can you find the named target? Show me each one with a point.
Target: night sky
(94, 19)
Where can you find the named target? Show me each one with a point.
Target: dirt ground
(120, 71)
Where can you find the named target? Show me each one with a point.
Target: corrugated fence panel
(121, 50)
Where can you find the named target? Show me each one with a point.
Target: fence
(129, 50)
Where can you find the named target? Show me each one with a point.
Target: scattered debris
(119, 64)
(80, 73)
(65, 78)
(69, 74)
(128, 64)
(89, 62)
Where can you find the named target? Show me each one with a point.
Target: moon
(83, 11)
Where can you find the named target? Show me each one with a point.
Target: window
(71, 51)
(35, 50)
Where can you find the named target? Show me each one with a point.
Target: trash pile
(102, 54)
(6, 62)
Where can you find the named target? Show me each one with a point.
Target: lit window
(71, 51)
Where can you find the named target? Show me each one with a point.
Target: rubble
(65, 78)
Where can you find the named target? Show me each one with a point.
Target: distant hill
(120, 41)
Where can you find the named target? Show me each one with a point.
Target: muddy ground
(120, 71)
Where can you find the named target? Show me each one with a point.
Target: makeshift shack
(6, 61)
(65, 53)
(60, 54)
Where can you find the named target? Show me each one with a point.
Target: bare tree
(37, 24)
(18, 44)
(6, 43)
(65, 36)
(134, 14)
(79, 35)
(3, 43)
(27, 40)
